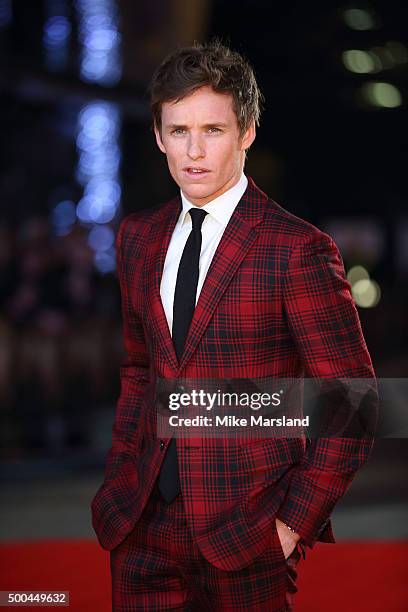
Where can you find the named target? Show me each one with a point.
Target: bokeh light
(366, 293)
(383, 95)
(98, 170)
(97, 142)
(56, 34)
(357, 273)
(56, 31)
(101, 238)
(105, 261)
(100, 41)
(359, 19)
(63, 217)
(361, 62)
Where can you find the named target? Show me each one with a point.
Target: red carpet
(344, 577)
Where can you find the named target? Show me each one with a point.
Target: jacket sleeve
(133, 370)
(325, 326)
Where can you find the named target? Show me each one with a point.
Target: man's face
(200, 137)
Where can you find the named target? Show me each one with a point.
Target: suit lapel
(159, 240)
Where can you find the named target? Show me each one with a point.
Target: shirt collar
(220, 208)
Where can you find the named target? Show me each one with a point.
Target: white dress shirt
(219, 213)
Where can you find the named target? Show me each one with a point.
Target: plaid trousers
(160, 567)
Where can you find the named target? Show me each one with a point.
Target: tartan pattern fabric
(160, 567)
(275, 303)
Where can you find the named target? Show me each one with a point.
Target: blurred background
(77, 154)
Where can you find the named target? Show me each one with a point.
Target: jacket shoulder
(294, 228)
(147, 216)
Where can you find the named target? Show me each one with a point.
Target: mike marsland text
(233, 421)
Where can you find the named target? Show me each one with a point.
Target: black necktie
(183, 310)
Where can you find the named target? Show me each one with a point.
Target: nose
(195, 148)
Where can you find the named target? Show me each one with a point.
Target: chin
(197, 191)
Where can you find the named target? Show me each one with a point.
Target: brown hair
(209, 64)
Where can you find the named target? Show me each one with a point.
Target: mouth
(196, 172)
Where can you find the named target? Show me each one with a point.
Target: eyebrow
(175, 126)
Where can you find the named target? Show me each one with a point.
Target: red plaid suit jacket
(275, 303)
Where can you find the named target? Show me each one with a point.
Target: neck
(206, 200)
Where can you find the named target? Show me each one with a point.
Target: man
(220, 283)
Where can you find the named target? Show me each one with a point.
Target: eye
(214, 130)
(178, 131)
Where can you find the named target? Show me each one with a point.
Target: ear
(248, 137)
(159, 140)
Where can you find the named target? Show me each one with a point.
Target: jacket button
(161, 444)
